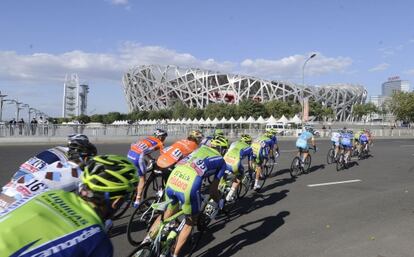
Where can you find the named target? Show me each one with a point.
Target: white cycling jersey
(48, 170)
(335, 137)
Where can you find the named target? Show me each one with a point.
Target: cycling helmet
(111, 176)
(80, 137)
(160, 133)
(79, 148)
(271, 130)
(195, 135)
(268, 134)
(246, 138)
(220, 143)
(218, 132)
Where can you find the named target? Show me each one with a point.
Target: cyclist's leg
(139, 162)
(191, 205)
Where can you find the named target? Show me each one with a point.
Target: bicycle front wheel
(340, 162)
(307, 163)
(139, 222)
(295, 167)
(144, 250)
(244, 186)
(331, 156)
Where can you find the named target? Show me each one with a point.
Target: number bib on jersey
(199, 166)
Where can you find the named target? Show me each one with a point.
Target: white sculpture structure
(153, 87)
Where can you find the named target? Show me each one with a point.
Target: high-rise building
(75, 97)
(395, 84)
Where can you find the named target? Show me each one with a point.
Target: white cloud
(379, 67)
(291, 66)
(409, 72)
(44, 67)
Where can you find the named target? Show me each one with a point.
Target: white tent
(295, 120)
(260, 120)
(223, 120)
(241, 120)
(208, 121)
(202, 121)
(232, 120)
(283, 119)
(271, 119)
(215, 121)
(251, 120)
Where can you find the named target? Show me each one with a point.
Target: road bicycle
(270, 163)
(330, 157)
(300, 166)
(343, 160)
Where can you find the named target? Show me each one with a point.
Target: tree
(111, 117)
(402, 106)
(97, 118)
(249, 107)
(179, 110)
(360, 110)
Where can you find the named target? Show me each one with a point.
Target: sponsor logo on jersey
(62, 207)
(55, 247)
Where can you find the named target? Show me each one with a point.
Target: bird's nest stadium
(154, 87)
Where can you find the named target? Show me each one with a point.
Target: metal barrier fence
(180, 130)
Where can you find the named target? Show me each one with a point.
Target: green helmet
(246, 138)
(111, 174)
(268, 134)
(218, 132)
(272, 130)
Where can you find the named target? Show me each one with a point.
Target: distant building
(378, 100)
(395, 84)
(75, 97)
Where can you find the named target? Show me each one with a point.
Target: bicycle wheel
(144, 250)
(244, 186)
(140, 222)
(340, 162)
(295, 167)
(124, 207)
(330, 158)
(154, 183)
(307, 163)
(271, 164)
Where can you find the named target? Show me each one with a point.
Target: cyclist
(302, 142)
(59, 223)
(55, 168)
(363, 141)
(139, 154)
(237, 152)
(346, 143)
(356, 143)
(274, 145)
(184, 185)
(335, 142)
(261, 147)
(180, 149)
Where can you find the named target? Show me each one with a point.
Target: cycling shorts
(139, 162)
(335, 143)
(183, 187)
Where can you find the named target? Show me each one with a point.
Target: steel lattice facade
(153, 87)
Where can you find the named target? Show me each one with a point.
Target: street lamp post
(1, 106)
(302, 100)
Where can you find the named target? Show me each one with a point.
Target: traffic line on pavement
(406, 145)
(289, 151)
(335, 183)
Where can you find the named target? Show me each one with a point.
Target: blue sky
(360, 42)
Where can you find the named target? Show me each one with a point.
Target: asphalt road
(372, 216)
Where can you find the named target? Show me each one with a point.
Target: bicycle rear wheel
(144, 250)
(139, 222)
(295, 167)
(330, 158)
(124, 207)
(154, 183)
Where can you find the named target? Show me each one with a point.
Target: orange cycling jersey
(172, 154)
(147, 145)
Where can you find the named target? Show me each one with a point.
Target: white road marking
(289, 151)
(406, 145)
(334, 183)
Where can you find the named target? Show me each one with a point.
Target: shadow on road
(252, 232)
(316, 167)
